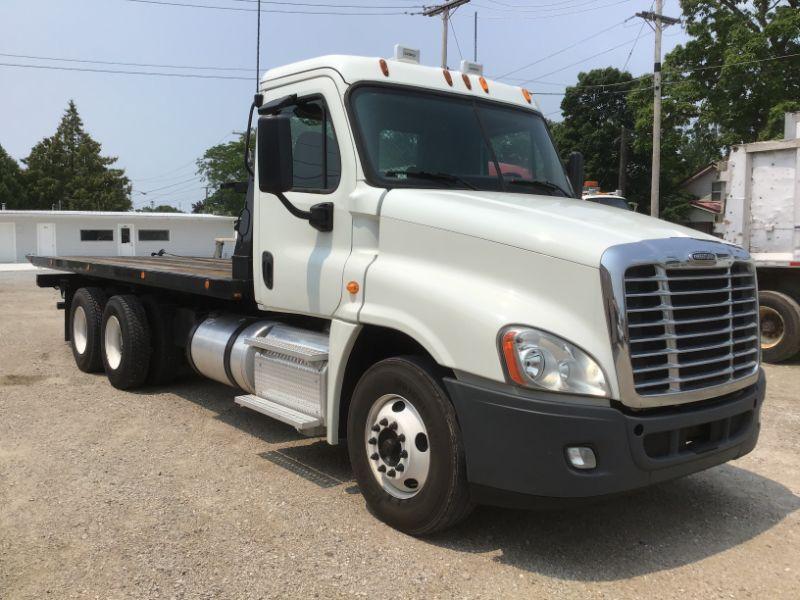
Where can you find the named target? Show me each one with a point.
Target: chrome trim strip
(665, 254)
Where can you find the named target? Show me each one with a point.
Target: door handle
(267, 268)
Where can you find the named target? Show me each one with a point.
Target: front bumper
(516, 445)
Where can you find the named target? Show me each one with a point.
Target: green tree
(595, 110)
(742, 38)
(161, 208)
(12, 189)
(67, 170)
(222, 164)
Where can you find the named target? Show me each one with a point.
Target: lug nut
(384, 421)
(391, 473)
(372, 441)
(393, 425)
(400, 467)
(376, 427)
(374, 456)
(404, 454)
(382, 468)
(402, 437)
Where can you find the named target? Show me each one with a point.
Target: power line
(279, 11)
(557, 52)
(627, 60)
(158, 189)
(539, 17)
(121, 72)
(124, 64)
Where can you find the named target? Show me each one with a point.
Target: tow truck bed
(211, 277)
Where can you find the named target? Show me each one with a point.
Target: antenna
(258, 46)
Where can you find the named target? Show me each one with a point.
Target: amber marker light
(510, 356)
(207, 284)
(447, 77)
(484, 85)
(384, 67)
(467, 81)
(142, 275)
(352, 287)
(527, 95)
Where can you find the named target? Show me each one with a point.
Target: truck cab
(427, 288)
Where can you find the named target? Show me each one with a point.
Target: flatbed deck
(211, 277)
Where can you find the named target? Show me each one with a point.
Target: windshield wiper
(549, 185)
(432, 176)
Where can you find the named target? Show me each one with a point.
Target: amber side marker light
(467, 82)
(510, 356)
(527, 95)
(483, 83)
(384, 67)
(142, 275)
(352, 287)
(447, 77)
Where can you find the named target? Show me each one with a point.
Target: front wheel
(405, 447)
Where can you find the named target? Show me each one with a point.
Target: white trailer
(762, 214)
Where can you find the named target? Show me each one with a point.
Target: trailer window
(317, 163)
(97, 235)
(154, 235)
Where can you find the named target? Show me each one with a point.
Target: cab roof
(354, 69)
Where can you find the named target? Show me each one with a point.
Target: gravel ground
(178, 493)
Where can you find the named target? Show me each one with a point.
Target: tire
(441, 499)
(166, 359)
(85, 321)
(780, 326)
(125, 342)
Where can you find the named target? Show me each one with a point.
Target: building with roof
(84, 233)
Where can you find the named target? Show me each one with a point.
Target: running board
(304, 423)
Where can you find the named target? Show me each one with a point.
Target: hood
(567, 228)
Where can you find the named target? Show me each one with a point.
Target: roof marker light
(467, 82)
(483, 83)
(447, 77)
(527, 95)
(384, 67)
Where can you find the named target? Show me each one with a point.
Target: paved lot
(178, 493)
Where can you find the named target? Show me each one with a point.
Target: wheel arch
(371, 344)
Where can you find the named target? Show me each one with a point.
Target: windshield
(423, 139)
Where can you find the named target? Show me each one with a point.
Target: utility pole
(623, 162)
(658, 21)
(444, 10)
(475, 39)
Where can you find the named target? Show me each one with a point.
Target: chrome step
(303, 422)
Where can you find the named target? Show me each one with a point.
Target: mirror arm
(320, 217)
(300, 214)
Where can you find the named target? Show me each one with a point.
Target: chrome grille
(690, 327)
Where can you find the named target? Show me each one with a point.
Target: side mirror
(575, 173)
(274, 154)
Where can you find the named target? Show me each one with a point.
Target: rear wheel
(405, 447)
(86, 318)
(126, 342)
(780, 326)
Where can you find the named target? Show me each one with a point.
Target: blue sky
(158, 126)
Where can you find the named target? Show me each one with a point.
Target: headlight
(537, 359)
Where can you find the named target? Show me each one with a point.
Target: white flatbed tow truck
(415, 276)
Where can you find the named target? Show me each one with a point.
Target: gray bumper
(515, 445)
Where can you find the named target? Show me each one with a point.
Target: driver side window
(316, 161)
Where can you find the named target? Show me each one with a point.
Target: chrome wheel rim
(397, 446)
(773, 327)
(80, 333)
(113, 342)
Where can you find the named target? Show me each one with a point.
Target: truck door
(297, 268)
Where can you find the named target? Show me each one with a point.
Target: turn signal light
(353, 287)
(510, 355)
